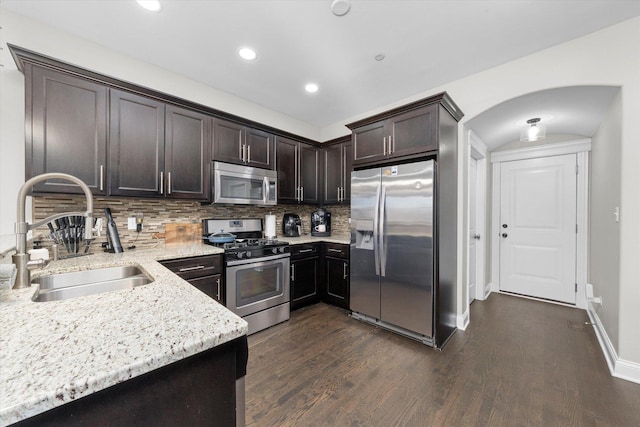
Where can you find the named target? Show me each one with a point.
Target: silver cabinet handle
(168, 182)
(304, 251)
(161, 182)
(390, 146)
(335, 250)
(197, 267)
(218, 289)
(344, 271)
(293, 272)
(302, 194)
(242, 152)
(101, 177)
(384, 146)
(248, 154)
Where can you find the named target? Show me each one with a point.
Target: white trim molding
(556, 149)
(618, 367)
(462, 322)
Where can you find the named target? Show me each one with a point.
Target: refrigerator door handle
(376, 248)
(383, 249)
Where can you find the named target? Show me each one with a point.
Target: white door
(538, 227)
(472, 228)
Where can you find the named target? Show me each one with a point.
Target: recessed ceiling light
(340, 7)
(311, 87)
(247, 53)
(152, 5)
(379, 57)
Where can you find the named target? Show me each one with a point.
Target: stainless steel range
(256, 270)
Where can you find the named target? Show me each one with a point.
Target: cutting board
(182, 233)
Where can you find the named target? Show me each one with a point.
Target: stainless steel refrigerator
(392, 248)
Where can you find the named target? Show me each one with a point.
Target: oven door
(254, 285)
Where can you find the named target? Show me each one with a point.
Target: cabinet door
(347, 153)
(187, 165)
(304, 282)
(212, 286)
(287, 167)
(414, 131)
(368, 142)
(136, 145)
(259, 148)
(68, 131)
(333, 173)
(337, 282)
(309, 174)
(228, 141)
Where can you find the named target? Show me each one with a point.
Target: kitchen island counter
(55, 352)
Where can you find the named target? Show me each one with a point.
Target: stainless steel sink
(63, 286)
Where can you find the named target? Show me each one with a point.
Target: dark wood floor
(520, 363)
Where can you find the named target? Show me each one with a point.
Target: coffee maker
(321, 223)
(291, 225)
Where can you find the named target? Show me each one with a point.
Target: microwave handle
(265, 183)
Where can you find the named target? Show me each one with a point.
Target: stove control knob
(248, 254)
(281, 249)
(239, 254)
(274, 250)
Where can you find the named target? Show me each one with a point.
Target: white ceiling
(426, 43)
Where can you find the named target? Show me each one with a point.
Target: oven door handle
(257, 260)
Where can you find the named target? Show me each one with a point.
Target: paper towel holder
(270, 226)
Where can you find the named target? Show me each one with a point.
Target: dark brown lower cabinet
(203, 272)
(319, 272)
(306, 274)
(196, 391)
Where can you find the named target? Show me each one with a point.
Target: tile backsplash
(159, 212)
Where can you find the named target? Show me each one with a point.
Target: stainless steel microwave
(244, 185)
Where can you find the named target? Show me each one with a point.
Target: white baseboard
(463, 321)
(619, 368)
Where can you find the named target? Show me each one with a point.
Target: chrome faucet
(21, 257)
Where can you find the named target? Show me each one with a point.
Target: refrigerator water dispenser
(364, 234)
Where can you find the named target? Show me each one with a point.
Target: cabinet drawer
(336, 250)
(189, 268)
(305, 250)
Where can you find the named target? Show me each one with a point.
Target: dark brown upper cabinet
(158, 149)
(187, 153)
(242, 145)
(338, 164)
(298, 166)
(402, 133)
(136, 145)
(66, 130)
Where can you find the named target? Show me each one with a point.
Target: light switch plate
(131, 224)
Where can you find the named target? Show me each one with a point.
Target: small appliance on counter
(321, 223)
(113, 238)
(291, 225)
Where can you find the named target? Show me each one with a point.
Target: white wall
(607, 57)
(605, 188)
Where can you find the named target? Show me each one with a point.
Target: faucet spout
(20, 259)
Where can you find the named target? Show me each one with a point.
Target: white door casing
(537, 227)
(473, 233)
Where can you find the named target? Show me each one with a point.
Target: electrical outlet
(131, 223)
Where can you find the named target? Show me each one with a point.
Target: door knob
(504, 234)
(476, 236)
(504, 225)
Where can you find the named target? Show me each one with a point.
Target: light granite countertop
(344, 239)
(54, 352)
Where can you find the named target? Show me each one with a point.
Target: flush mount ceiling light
(379, 57)
(247, 53)
(340, 7)
(152, 5)
(311, 87)
(533, 131)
